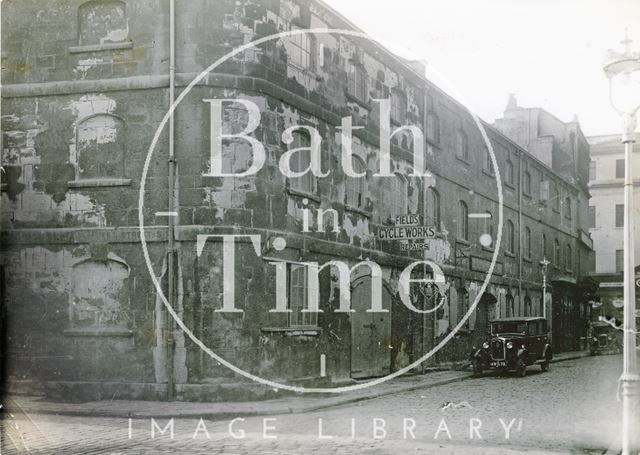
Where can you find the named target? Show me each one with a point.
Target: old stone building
(85, 87)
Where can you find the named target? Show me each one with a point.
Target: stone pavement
(219, 411)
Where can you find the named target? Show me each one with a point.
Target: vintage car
(514, 344)
(604, 339)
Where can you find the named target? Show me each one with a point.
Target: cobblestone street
(572, 408)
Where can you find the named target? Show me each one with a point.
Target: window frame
(619, 215)
(357, 186)
(620, 168)
(462, 145)
(294, 182)
(527, 243)
(357, 81)
(463, 224)
(297, 309)
(433, 127)
(510, 247)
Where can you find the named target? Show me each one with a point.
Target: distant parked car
(605, 339)
(514, 344)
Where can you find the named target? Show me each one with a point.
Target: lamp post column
(629, 380)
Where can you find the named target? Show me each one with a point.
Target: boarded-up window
(101, 22)
(100, 147)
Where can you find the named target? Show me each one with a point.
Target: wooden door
(370, 333)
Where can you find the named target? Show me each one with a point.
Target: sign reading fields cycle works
(407, 227)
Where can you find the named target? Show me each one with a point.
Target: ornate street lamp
(623, 71)
(544, 264)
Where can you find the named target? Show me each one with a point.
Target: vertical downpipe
(171, 219)
(424, 206)
(520, 296)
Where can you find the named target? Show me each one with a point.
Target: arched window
(100, 148)
(509, 172)
(463, 220)
(511, 307)
(488, 163)
(356, 187)
(557, 254)
(301, 161)
(528, 309)
(567, 208)
(394, 195)
(526, 183)
(433, 207)
(433, 127)
(544, 246)
(102, 22)
(556, 199)
(510, 240)
(569, 258)
(527, 242)
(462, 149)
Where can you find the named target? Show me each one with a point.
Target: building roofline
(485, 123)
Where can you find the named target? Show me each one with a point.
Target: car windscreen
(508, 327)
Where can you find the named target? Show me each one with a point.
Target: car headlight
(595, 339)
(485, 345)
(509, 345)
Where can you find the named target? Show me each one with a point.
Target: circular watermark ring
(196, 340)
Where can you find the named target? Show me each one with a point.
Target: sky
(549, 53)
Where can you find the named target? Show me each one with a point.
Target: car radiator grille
(497, 349)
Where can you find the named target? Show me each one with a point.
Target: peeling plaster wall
(53, 91)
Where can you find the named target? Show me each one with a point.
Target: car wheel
(521, 368)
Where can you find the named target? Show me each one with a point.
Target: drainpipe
(424, 203)
(521, 298)
(171, 219)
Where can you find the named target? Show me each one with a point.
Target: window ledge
(527, 259)
(463, 241)
(100, 182)
(357, 210)
(294, 192)
(464, 160)
(293, 331)
(527, 195)
(98, 332)
(509, 185)
(100, 47)
(358, 101)
(485, 172)
(488, 248)
(509, 254)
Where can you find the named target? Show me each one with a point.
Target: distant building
(606, 218)
(562, 147)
